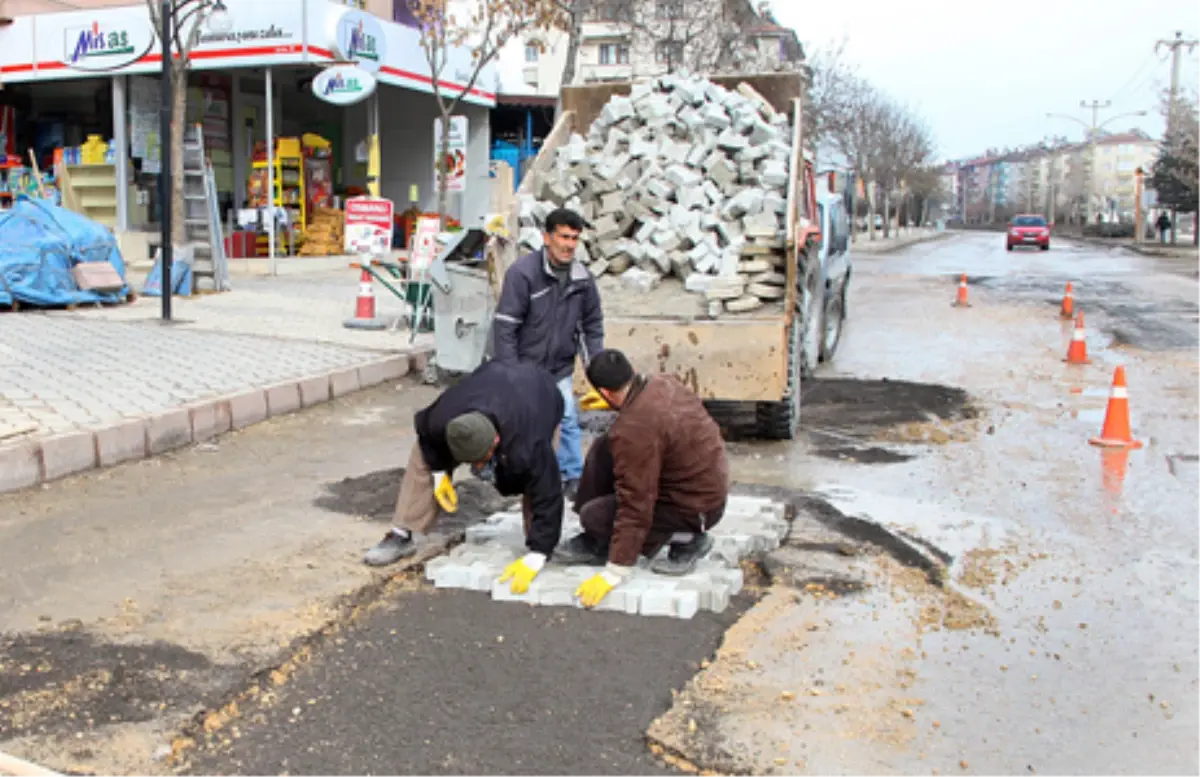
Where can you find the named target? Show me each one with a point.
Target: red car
(1028, 231)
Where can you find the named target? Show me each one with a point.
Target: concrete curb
(1144, 249)
(28, 463)
(17, 767)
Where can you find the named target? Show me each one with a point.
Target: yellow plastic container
(93, 151)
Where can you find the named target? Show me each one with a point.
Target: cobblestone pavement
(308, 306)
(64, 372)
(751, 524)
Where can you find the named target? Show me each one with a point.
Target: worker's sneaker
(581, 549)
(390, 549)
(682, 556)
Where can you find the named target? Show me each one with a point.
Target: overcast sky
(984, 74)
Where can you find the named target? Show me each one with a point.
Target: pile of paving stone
(684, 180)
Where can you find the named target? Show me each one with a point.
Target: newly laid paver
(751, 525)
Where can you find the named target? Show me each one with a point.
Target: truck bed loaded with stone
(702, 229)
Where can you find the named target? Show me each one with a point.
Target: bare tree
(831, 83)
(861, 124)
(186, 27)
(482, 27)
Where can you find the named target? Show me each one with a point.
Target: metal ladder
(201, 216)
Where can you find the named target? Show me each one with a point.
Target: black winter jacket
(525, 406)
(541, 321)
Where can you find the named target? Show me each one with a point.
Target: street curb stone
(66, 454)
(121, 442)
(247, 408)
(209, 419)
(27, 463)
(343, 382)
(282, 398)
(314, 391)
(20, 466)
(168, 431)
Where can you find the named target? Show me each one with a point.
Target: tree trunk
(871, 211)
(887, 214)
(178, 124)
(443, 173)
(1196, 227)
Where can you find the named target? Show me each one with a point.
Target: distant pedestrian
(1163, 224)
(549, 312)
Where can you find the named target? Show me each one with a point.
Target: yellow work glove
(593, 401)
(593, 590)
(522, 572)
(444, 493)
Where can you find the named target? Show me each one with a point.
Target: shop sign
(99, 47)
(343, 85)
(369, 226)
(455, 162)
(359, 38)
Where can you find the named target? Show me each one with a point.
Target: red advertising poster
(368, 226)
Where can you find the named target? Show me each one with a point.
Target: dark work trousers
(596, 504)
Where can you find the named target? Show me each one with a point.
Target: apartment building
(623, 39)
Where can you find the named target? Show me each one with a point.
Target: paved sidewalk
(864, 245)
(93, 387)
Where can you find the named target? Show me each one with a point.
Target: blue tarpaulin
(40, 243)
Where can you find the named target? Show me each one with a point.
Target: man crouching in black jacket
(502, 419)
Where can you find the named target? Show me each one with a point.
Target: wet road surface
(1086, 560)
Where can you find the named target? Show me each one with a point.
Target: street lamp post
(173, 16)
(1093, 131)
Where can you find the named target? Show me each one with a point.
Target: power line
(1151, 60)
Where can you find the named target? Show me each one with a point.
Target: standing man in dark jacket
(500, 419)
(549, 311)
(659, 476)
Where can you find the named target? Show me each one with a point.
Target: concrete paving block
(282, 398)
(502, 592)
(343, 382)
(168, 430)
(434, 565)
(121, 442)
(20, 465)
(731, 141)
(557, 593)
(209, 419)
(65, 454)
(382, 371)
(247, 408)
(314, 391)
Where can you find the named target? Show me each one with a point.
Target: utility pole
(1096, 107)
(1174, 46)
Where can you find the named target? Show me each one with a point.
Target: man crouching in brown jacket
(659, 476)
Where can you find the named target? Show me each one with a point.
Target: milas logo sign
(343, 85)
(359, 38)
(105, 48)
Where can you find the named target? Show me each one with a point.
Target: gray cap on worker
(470, 437)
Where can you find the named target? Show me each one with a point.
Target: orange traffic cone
(961, 300)
(1077, 350)
(364, 306)
(1068, 304)
(1116, 432)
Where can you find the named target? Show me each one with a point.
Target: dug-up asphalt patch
(751, 525)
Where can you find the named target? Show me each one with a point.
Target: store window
(402, 14)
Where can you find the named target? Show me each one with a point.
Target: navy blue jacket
(525, 406)
(541, 321)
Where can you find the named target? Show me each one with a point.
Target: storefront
(85, 83)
